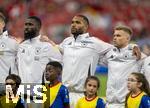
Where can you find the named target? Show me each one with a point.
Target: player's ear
(129, 38)
(86, 27)
(140, 84)
(3, 24)
(59, 71)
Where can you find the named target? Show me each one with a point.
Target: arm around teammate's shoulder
(101, 46)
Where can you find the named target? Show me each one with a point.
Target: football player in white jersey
(121, 62)
(8, 52)
(33, 55)
(81, 53)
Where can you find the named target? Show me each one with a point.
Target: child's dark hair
(92, 78)
(15, 78)
(56, 65)
(145, 85)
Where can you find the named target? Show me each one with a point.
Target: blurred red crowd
(56, 16)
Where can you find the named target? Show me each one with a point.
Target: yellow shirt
(84, 103)
(134, 102)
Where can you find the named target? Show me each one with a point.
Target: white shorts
(74, 97)
(115, 105)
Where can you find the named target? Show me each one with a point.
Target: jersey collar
(4, 34)
(82, 36)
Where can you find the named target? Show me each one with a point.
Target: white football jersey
(8, 52)
(80, 58)
(33, 55)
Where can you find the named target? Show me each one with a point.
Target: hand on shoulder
(45, 38)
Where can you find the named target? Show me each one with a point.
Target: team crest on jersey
(114, 49)
(37, 50)
(84, 44)
(2, 45)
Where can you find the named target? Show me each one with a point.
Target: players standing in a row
(81, 50)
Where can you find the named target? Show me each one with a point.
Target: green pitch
(103, 82)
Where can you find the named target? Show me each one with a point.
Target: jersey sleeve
(61, 47)
(101, 46)
(103, 60)
(145, 102)
(100, 103)
(65, 95)
(62, 44)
